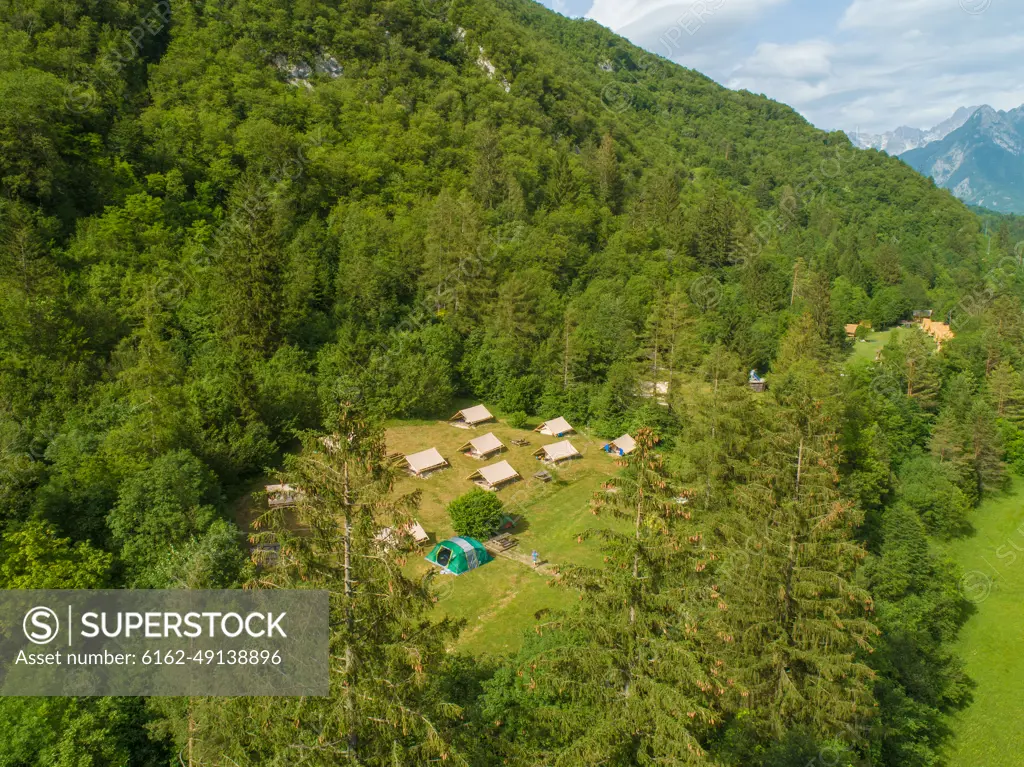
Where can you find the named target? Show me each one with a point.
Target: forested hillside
(227, 225)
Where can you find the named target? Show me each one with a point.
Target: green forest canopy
(207, 248)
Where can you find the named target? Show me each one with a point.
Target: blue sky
(844, 64)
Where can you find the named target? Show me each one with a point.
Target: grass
(865, 351)
(990, 732)
(500, 601)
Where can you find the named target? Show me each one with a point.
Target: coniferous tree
(910, 358)
(799, 617)
(385, 705)
(633, 677)
(1006, 392)
(718, 431)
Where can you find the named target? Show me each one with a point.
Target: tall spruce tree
(632, 677)
(718, 431)
(798, 616)
(385, 706)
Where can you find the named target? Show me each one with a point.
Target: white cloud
(671, 28)
(873, 65)
(806, 60)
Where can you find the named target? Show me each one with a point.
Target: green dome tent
(459, 555)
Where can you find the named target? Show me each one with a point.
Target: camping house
(494, 476)
(459, 555)
(472, 416)
(757, 383)
(556, 427)
(422, 464)
(940, 331)
(482, 447)
(624, 445)
(558, 452)
(851, 329)
(282, 496)
(414, 530)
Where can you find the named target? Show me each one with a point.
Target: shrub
(517, 420)
(476, 514)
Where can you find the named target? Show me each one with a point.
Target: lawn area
(499, 601)
(990, 733)
(865, 351)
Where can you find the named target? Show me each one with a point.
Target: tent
(556, 427)
(279, 496)
(494, 476)
(414, 530)
(481, 447)
(472, 416)
(459, 555)
(558, 452)
(425, 462)
(624, 445)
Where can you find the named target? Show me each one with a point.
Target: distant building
(757, 383)
(940, 331)
(851, 330)
(482, 447)
(282, 496)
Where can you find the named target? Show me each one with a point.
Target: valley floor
(990, 732)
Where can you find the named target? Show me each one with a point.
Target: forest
(229, 228)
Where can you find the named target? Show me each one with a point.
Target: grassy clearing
(500, 601)
(865, 351)
(990, 733)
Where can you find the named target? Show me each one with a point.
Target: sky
(868, 65)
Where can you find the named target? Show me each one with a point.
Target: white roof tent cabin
(624, 445)
(388, 537)
(482, 447)
(556, 427)
(472, 416)
(423, 463)
(558, 452)
(494, 476)
(281, 496)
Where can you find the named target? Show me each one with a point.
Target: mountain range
(978, 154)
(905, 138)
(981, 162)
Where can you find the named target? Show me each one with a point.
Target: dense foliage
(477, 514)
(207, 251)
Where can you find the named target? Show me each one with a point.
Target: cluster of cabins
(461, 555)
(496, 475)
(940, 331)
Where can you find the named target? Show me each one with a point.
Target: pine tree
(721, 417)
(1006, 392)
(606, 166)
(799, 619)
(910, 358)
(632, 677)
(386, 654)
(249, 256)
